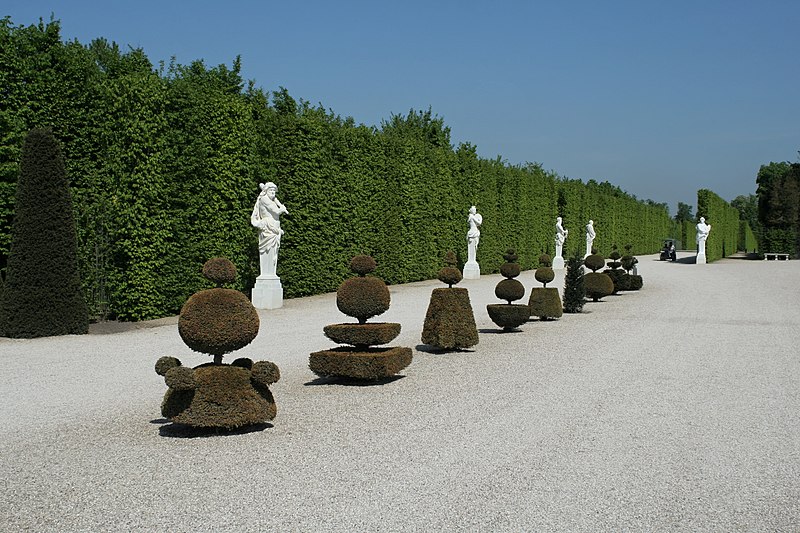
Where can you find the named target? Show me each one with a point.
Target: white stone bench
(776, 257)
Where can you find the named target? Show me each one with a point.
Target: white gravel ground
(675, 408)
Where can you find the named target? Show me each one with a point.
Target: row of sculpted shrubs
(164, 165)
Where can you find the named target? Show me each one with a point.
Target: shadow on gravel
(180, 431)
(427, 348)
(691, 260)
(490, 330)
(351, 382)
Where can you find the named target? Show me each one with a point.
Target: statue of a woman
(561, 236)
(590, 235)
(266, 217)
(474, 234)
(703, 230)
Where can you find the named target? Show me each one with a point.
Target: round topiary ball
(594, 262)
(449, 275)
(220, 270)
(363, 297)
(510, 256)
(165, 363)
(218, 321)
(509, 290)
(362, 264)
(627, 262)
(544, 275)
(545, 260)
(510, 270)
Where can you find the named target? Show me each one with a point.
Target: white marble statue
(268, 291)
(703, 230)
(590, 235)
(561, 236)
(474, 220)
(266, 217)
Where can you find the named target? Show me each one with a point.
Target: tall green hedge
(724, 219)
(165, 164)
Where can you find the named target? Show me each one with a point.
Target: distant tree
(748, 210)
(42, 294)
(684, 213)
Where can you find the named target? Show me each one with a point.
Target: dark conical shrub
(43, 294)
(449, 321)
(216, 395)
(574, 290)
(361, 297)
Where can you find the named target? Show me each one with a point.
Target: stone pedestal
(471, 270)
(268, 293)
(558, 263)
(701, 259)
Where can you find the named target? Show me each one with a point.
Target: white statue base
(268, 293)
(471, 270)
(701, 259)
(558, 263)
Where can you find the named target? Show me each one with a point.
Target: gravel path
(676, 408)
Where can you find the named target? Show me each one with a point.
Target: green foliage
(219, 270)
(367, 364)
(218, 321)
(598, 285)
(545, 303)
(363, 297)
(449, 321)
(574, 290)
(42, 292)
(723, 239)
(779, 207)
(684, 213)
(509, 290)
(362, 335)
(166, 164)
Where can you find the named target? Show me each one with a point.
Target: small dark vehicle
(668, 251)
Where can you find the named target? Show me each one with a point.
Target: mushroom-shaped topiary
(362, 298)
(216, 322)
(509, 316)
(449, 321)
(597, 284)
(545, 302)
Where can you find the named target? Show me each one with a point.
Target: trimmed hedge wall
(164, 166)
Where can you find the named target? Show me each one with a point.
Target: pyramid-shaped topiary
(361, 297)
(42, 294)
(216, 395)
(574, 289)
(509, 316)
(450, 322)
(545, 302)
(597, 284)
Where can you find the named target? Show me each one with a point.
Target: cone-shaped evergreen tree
(43, 294)
(574, 290)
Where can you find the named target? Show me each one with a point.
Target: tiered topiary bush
(633, 281)
(597, 284)
(42, 294)
(545, 302)
(509, 316)
(574, 289)
(361, 297)
(449, 322)
(216, 395)
(617, 275)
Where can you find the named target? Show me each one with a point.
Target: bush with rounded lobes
(594, 262)
(220, 270)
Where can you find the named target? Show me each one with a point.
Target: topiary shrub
(216, 395)
(545, 302)
(42, 295)
(361, 297)
(633, 282)
(596, 284)
(574, 289)
(618, 277)
(449, 321)
(509, 316)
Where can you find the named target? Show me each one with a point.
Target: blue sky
(659, 98)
